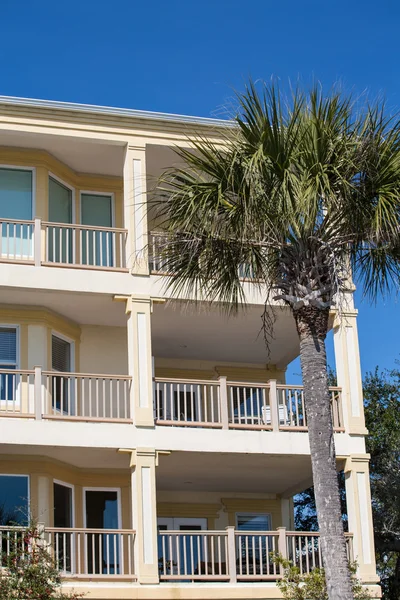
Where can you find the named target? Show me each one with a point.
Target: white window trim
(253, 514)
(33, 170)
(66, 339)
(94, 193)
(71, 487)
(17, 361)
(69, 187)
(102, 489)
(29, 487)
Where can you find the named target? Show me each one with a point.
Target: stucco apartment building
(157, 444)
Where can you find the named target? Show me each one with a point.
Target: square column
(348, 370)
(358, 500)
(144, 513)
(140, 360)
(135, 210)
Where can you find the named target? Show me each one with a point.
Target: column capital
(357, 462)
(141, 455)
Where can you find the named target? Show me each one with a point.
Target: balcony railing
(92, 553)
(158, 241)
(236, 405)
(78, 553)
(38, 243)
(230, 555)
(183, 556)
(68, 396)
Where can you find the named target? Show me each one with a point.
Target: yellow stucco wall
(219, 509)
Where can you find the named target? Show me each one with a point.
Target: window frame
(51, 175)
(252, 514)
(72, 488)
(103, 489)
(17, 362)
(33, 171)
(70, 341)
(28, 477)
(94, 193)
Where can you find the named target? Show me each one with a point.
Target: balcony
(62, 245)
(236, 405)
(218, 404)
(229, 556)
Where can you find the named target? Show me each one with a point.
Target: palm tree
(305, 193)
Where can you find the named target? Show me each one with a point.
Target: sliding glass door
(102, 511)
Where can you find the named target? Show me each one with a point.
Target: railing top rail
(85, 530)
(186, 381)
(17, 221)
(313, 533)
(285, 386)
(17, 371)
(13, 528)
(84, 227)
(240, 532)
(87, 375)
(193, 532)
(253, 384)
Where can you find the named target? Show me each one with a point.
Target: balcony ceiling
(186, 333)
(83, 309)
(255, 473)
(83, 156)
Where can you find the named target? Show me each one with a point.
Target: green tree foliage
(28, 570)
(382, 414)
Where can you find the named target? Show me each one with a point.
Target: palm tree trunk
(312, 327)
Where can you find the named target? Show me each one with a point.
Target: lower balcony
(185, 556)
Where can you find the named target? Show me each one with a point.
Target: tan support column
(348, 370)
(358, 500)
(144, 513)
(42, 194)
(140, 360)
(135, 209)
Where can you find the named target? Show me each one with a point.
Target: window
(8, 361)
(97, 245)
(16, 199)
(63, 518)
(253, 522)
(62, 389)
(254, 549)
(14, 499)
(60, 240)
(16, 194)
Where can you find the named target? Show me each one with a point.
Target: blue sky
(187, 56)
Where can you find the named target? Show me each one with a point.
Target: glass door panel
(63, 518)
(16, 203)
(97, 245)
(60, 240)
(102, 549)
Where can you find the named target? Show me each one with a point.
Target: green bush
(29, 571)
(295, 585)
